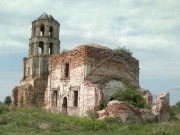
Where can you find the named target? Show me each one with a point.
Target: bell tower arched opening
(51, 31)
(42, 30)
(51, 48)
(41, 47)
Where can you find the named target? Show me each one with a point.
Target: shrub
(4, 120)
(123, 50)
(8, 100)
(103, 104)
(131, 95)
(3, 108)
(178, 104)
(173, 113)
(64, 51)
(111, 120)
(92, 114)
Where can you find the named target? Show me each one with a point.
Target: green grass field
(26, 121)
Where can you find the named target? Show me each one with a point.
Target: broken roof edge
(92, 45)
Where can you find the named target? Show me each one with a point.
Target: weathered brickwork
(94, 72)
(162, 107)
(44, 42)
(127, 113)
(147, 96)
(72, 82)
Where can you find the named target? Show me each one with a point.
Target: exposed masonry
(72, 82)
(94, 72)
(125, 112)
(44, 42)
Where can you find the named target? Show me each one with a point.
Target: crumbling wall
(147, 96)
(127, 113)
(109, 88)
(36, 75)
(66, 85)
(105, 64)
(162, 107)
(23, 95)
(94, 72)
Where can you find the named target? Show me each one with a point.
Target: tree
(178, 104)
(8, 100)
(131, 95)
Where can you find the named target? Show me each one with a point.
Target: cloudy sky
(149, 28)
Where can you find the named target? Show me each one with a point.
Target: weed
(131, 95)
(104, 104)
(123, 50)
(92, 114)
(3, 108)
(111, 120)
(4, 120)
(38, 121)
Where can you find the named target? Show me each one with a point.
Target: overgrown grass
(3, 108)
(23, 121)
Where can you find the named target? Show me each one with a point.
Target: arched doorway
(64, 105)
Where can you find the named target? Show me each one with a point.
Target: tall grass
(37, 121)
(3, 108)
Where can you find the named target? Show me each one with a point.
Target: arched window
(51, 48)
(42, 30)
(41, 48)
(51, 31)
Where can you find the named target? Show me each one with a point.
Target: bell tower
(43, 43)
(44, 36)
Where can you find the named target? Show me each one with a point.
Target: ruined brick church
(72, 82)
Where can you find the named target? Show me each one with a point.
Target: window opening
(41, 48)
(51, 31)
(54, 99)
(75, 102)
(64, 105)
(42, 30)
(67, 70)
(51, 48)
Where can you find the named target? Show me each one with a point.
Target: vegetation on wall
(123, 50)
(131, 95)
(63, 51)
